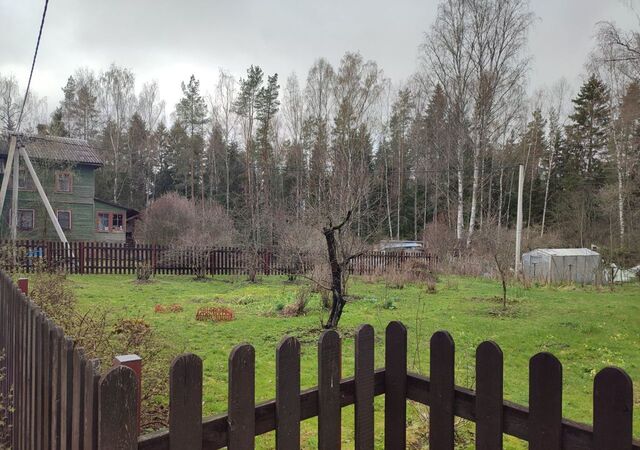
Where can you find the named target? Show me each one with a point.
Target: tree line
(440, 149)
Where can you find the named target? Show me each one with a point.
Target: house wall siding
(80, 202)
(113, 236)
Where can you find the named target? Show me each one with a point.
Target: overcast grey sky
(167, 40)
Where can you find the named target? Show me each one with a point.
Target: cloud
(167, 40)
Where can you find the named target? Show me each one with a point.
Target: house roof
(55, 148)
(130, 211)
(566, 251)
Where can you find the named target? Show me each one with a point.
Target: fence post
(133, 362)
(23, 285)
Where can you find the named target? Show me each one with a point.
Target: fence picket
(92, 385)
(364, 392)
(117, 417)
(442, 391)
(46, 383)
(66, 393)
(56, 386)
(395, 405)
(489, 396)
(288, 394)
(545, 402)
(185, 403)
(612, 410)
(241, 407)
(93, 257)
(77, 413)
(61, 402)
(329, 411)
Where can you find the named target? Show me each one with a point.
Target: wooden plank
(441, 435)
(33, 417)
(117, 416)
(241, 421)
(395, 403)
(612, 410)
(185, 403)
(214, 428)
(47, 356)
(489, 396)
(56, 367)
(66, 393)
(545, 402)
(329, 370)
(288, 394)
(364, 378)
(92, 386)
(77, 410)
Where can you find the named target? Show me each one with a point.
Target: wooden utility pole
(519, 219)
(43, 195)
(14, 197)
(7, 172)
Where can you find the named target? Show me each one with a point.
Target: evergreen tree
(57, 126)
(587, 135)
(191, 112)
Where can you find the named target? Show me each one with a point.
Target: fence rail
(61, 401)
(121, 258)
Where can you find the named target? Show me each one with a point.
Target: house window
(103, 222)
(64, 219)
(25, 219)
(64, 182)
(110, 222)
(117, 222)
(25, 183)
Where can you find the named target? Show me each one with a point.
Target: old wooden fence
(118, 258)
(61, 401)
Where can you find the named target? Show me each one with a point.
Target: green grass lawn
(586, 328)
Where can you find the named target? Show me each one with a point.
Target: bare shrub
(395, 278)
(300, 245)
(320, 276)
(496, 243)
(185, 225)
(411, 271)
(144, 272)
(440, 240)
(102, 337)
(299, 305)
(6, 406)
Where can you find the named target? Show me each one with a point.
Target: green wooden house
(66, 169)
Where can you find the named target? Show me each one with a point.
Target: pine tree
(191, 112)
(588, 134)
(57, 126)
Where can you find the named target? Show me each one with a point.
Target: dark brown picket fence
(61, 402)
(121, 258)
(50, 386)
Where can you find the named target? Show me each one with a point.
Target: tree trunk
(474, 195)
(338, 300)
(546, 190)
(460, 218)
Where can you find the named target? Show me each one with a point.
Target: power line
(33, 64)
